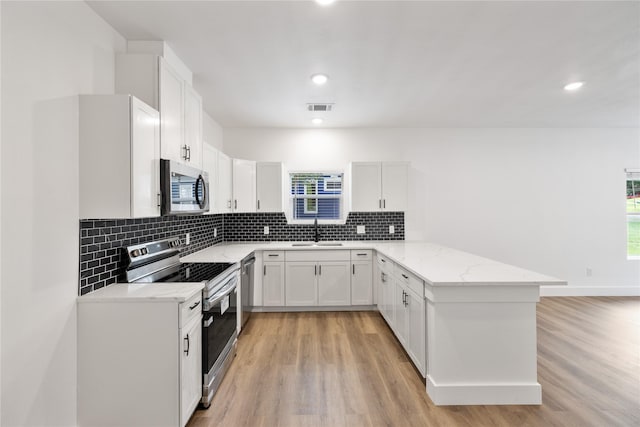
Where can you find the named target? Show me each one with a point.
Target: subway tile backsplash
(249, 227)
(102, 241)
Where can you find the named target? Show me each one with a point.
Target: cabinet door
(400, 314)
(273, 284)
(334, 283)
(416, 326)
(361, 283)
(145, 160)
(244, 185)
(190, 368)
(388, 298)
(365, 186)
(300, 283)
(193, 126)
(171, 113)
(225, 187)
(269, 187)
(395, 186)
(210, 165)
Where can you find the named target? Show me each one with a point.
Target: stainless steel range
(159, 261)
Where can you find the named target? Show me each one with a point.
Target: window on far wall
(633, 213)
(316, 195)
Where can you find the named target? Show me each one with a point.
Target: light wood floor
(347, 369)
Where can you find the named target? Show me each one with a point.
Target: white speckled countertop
(437, 265)
(135, 292)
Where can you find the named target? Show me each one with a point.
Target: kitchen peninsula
(478, 316)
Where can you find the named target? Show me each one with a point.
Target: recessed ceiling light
(574, 86)
(316, 121)
(324, 2)
(319, 79)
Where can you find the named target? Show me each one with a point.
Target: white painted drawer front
(323, 255)
(273, 255)
(190, 309)
(410, 279)
(361, 255)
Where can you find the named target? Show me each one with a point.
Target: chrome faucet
(316, 233)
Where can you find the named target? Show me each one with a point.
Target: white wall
(550, 200)
(211, 132)
(51, 51)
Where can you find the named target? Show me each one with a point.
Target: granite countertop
(136, 292)
(437, 265)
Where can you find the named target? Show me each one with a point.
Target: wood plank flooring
(347, 369)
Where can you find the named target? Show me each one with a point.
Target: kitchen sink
(328, 244)
(302, 244)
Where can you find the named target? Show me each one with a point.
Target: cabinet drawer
(324, 255)
(273, 256)
(410, 280)
(384, 263)
(361, 255)
(190, 308)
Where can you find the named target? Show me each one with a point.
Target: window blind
(316, 195)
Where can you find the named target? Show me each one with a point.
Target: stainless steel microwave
(185, 190)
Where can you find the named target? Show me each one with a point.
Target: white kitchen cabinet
(379, 186)
(244, 185)
(191, 368)
(150, 78)
(224, 194)
(210, 165)
(400, 322)
(193, 126)
(361, 277)
(119, 139)
(333, 283)
(273, 275)
(133, 366)
(416, 333)
(386, 287)
(317, 278)
(301, 284)
(269, 187)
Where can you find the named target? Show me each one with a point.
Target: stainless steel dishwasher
(246, 287)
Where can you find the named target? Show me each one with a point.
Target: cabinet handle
(184, 147)
(320, 270)
(405, 276)
(188, 345)
(159, 199)
(384, 201)
(383, 260)
(354, 269)
(380, 203)
(229, 204)
(383, 277)
(361, 254)
(273, 255)
(403, 298)
(258, 204)
(189, 153)
(315, 270)
(194, 305)
(235, 204)
(264, 270)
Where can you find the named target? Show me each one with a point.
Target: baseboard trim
(484, 394)
(589, 291)
(313, 308)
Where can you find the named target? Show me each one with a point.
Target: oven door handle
(218, 296)
(208, 322)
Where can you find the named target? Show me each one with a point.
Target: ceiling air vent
(319, 107)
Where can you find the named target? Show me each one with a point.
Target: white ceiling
(401, 63)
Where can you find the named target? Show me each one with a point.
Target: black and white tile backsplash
(102, 241)
(249, 227)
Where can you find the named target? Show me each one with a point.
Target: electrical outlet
(360, 229)
(187, 238)
(215, 232)
(392, 229)
(266, 229)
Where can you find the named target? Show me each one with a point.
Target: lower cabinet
(333, 283)
(139, 360)
(301, 283)
(273, 283)
(361, 277)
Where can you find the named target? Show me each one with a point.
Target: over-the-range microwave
(185, 190)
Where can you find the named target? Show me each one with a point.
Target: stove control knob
(135, 253)
(144, 251)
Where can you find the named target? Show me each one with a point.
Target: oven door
(219, 329)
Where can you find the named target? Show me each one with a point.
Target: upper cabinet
(269, 188)
(244, 185)
(151, 78)
(119, 157)
(379, 186)
(224, 193)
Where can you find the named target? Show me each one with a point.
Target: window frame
(342, 196)
(632, 175)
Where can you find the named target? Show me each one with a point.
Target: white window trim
(631, 174)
